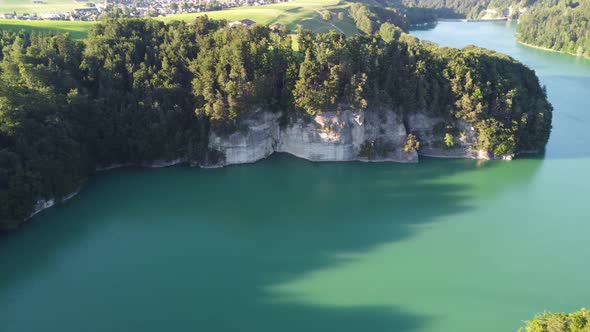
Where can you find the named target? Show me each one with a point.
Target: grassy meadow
(298, 13)
(77, 29)
(48, 6)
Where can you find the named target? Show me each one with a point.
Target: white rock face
(430, 142)
(344, 136)
(255, 141)
(153, 164)
(329, 136)
(422, 125)
(43, 204)
(165, 163)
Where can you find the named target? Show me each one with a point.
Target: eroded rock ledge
(376, 136)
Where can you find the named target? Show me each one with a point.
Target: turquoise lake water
(289, 245)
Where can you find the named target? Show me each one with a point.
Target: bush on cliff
(578, 321)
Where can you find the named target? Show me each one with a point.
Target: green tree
(449, 140)
(389, 32)
(411, 144)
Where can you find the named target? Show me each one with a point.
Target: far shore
(499, 19)
(550, 49)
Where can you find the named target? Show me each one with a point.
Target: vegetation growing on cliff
(489, 91)
(138, 91)
(578, 321)
(559, 25)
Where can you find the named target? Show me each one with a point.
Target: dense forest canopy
(561, 25)
(139, 91)
(369, 18)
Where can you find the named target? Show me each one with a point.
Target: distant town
(92, 11)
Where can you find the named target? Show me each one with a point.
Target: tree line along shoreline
(137, 91)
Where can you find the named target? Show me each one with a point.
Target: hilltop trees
(136, 73)
(240, 69)
(389, 32)
(369, 19)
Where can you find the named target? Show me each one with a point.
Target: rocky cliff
(371, 136)
(376, 135)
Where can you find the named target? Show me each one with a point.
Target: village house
(246, 22)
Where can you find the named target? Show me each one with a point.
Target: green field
(77, 29)
(298, 13)
(49, 6)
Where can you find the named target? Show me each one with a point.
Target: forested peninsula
(558, 25)
(141, 92)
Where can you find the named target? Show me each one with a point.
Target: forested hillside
(462, 8)
(389, 20)
(558, 25)
(139, 91)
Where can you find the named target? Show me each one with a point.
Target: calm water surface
(288, 245)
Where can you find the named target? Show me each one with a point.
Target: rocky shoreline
(368, 136)
(46, 203)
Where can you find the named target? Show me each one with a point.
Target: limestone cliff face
(430, 132)
(255, 139)
(328, 136)
(43, 204)
(375, 135)
(345, 136)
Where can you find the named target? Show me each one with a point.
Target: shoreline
(463, 20)
(471, 20)
(44, 204)
(550, 49)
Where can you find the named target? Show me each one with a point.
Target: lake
(290, 245)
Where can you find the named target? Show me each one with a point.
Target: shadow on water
(188, 249)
